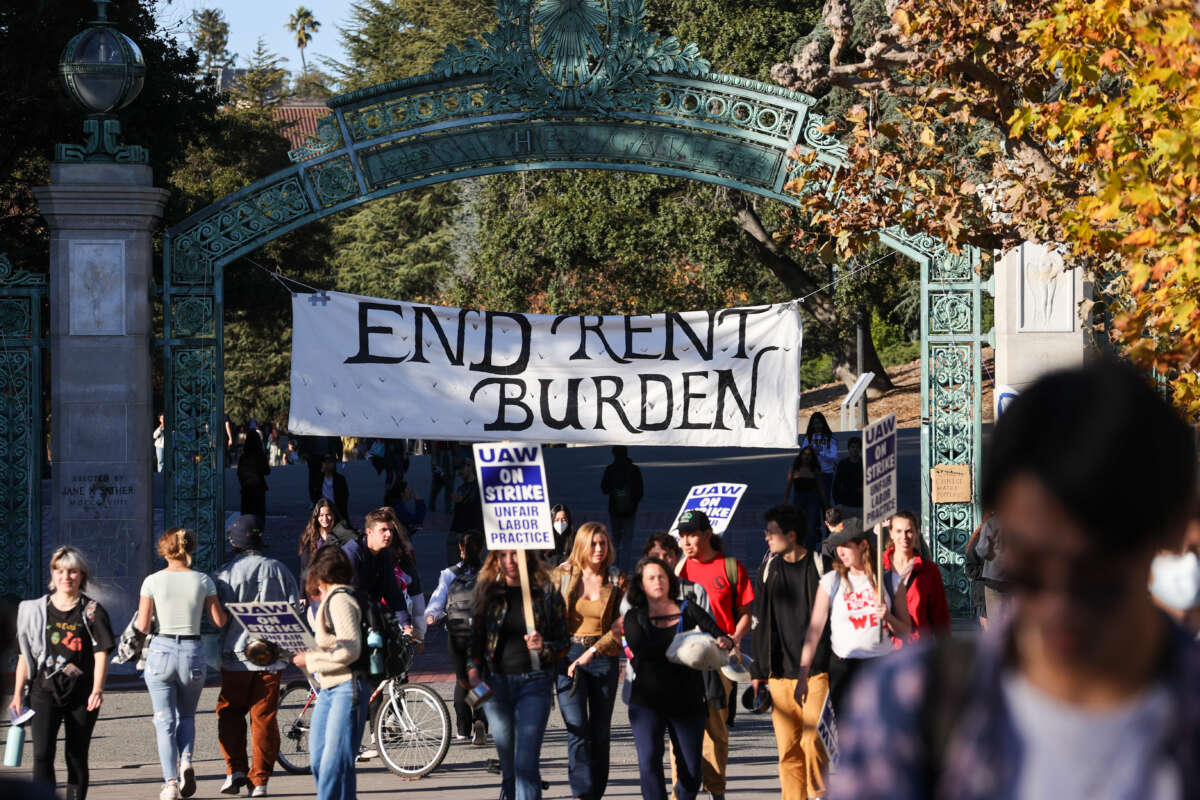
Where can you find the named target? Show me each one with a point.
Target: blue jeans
(333, 738)
(175, 672)
(588, 717)
(687, 737)
(517, 714)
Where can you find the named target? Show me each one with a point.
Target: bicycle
(411, 726)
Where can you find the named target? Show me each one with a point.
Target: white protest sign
(368, 367)
(718, 501)
(515, 498)
(277, 623)
(879, 471)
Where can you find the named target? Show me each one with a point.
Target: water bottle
(375, 643)
(14, 745)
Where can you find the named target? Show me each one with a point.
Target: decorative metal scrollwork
(950, 312)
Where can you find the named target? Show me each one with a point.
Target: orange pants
(803, 762)
(256, 694)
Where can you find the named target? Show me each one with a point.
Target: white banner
(367, 367)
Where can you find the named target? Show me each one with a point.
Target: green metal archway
(552, 87)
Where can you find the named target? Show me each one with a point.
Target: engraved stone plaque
(97, 292)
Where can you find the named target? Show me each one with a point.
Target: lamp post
(102, 70)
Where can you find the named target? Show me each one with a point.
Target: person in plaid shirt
(1088, 690)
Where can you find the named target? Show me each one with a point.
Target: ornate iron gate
(537, 94)
(22, 446)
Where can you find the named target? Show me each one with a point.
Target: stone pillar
(1038, 326)
(102, 217)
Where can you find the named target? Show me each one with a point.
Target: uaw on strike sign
(363, 366)
(718, 501)
(512, 488)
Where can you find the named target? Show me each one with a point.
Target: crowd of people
(1084, 683)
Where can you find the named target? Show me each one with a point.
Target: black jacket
(341, 492)
(789, 622)
(468, 512)
(622, 482)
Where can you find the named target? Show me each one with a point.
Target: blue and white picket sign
(275, 622)
(880, 463)
(718, 501)
(515, 497)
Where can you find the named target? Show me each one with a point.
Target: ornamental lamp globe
(102, 69)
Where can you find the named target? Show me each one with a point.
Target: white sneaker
(170, 791)
(233, 783)
(259, 791)
(187, 775)
(367, 753)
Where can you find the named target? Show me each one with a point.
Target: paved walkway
(124, 762)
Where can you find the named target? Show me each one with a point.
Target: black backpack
(373, 617)
(460, 601)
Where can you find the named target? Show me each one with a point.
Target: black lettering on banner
(365, 329)
(688, 396)
(703, 349)
(570, 418)
(502, 423)
(726, 383)
(612, 400)
(518, 366)
(669, 403)
(741, 314)
(629, 333)
(584, 327)
(453, 357)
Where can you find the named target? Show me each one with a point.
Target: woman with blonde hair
(64, 639)
(592, 588)
(848, 601)
(517, 666)
(175, 667)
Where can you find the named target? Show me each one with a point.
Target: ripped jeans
(175, 672)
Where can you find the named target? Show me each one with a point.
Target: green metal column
(951, 405)
(22, 452)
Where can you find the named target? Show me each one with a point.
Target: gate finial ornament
(589, 56)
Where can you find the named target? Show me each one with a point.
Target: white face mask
(560, 526)
(1175, 580)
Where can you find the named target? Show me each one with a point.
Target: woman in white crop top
(175, 668)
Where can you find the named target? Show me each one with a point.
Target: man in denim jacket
(248, 688)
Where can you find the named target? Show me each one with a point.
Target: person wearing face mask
(1175, 578)
(564, 534)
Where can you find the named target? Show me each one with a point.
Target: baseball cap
(852, 529)
(245, 531)
(694, 521)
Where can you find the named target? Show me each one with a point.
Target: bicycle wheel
(412, 729)
(295, 713)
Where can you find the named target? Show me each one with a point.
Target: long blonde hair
(582, 547)
(491, 583)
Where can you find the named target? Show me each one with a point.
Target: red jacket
(926, 596)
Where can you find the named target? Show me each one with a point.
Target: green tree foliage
(303, 24)
(264, 82)
(173, 110)
(246, 145)
(210, 37)
(587, 242)
(390, 39)
(313, 83)
(405, 246)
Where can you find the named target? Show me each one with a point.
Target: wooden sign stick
(527, 599)
(879, 574)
